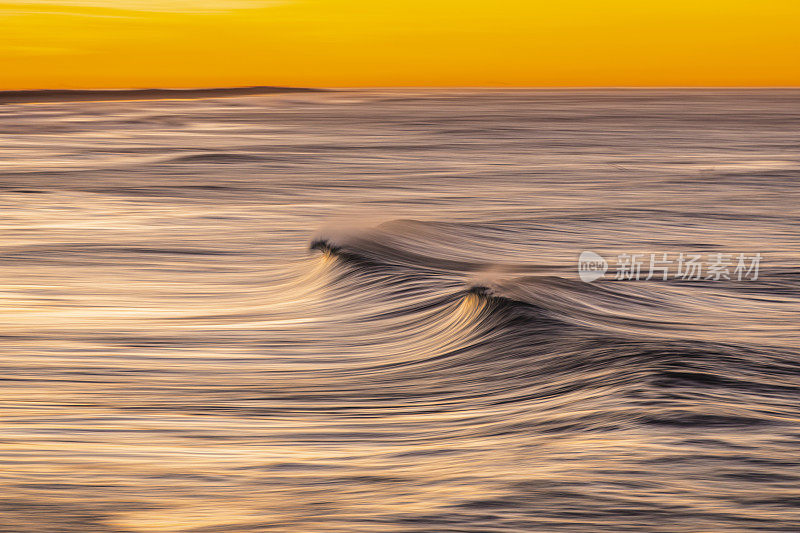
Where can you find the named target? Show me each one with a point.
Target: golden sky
(349, 43)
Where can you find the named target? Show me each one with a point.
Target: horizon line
(32, 96)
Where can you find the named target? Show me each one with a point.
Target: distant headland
(92, 95)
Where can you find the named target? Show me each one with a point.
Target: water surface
(177, 356)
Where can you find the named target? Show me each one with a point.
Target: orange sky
(336, 43)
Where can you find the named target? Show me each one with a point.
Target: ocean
(364, 311)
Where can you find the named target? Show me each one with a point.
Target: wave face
(360, 311)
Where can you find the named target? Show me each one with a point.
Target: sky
(75, 44)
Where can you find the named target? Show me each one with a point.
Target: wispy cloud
(162, 6)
